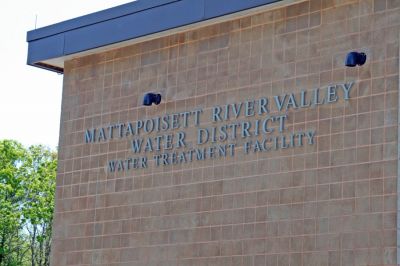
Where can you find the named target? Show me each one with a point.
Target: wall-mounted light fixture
(150, 98)
(355, 58)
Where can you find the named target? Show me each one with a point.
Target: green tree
(11, 196)
(27, 187)
(39, 170)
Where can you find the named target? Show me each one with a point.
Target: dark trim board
(122, 23)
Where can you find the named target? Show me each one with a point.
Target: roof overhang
(49, 47)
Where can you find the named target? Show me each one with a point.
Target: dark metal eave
(122, 23)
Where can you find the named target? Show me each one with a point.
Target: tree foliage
(27, 187)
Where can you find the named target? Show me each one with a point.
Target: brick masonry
(331, 203)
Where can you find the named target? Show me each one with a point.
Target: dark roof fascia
(93, 18)
(125, 22)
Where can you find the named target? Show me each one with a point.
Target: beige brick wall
(330, 203)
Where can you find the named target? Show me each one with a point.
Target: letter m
(200, 154)
(90, 135)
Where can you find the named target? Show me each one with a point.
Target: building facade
(265, 149)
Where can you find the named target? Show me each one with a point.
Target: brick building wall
(330, 202)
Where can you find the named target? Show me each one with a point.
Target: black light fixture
(150, 98)
(355, 58)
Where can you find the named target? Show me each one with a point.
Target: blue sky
(30, 98)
